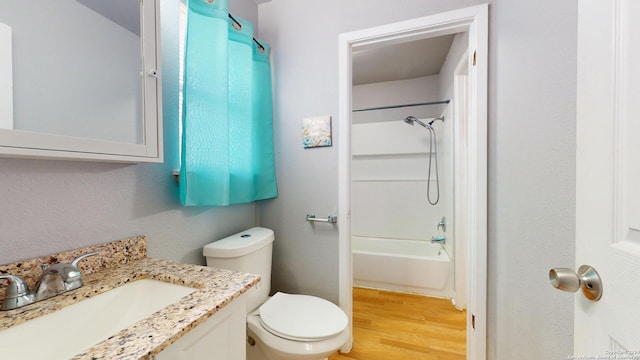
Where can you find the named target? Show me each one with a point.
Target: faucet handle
(442, 224)
(16, 286)
(83, 256)
(73, 278)
(72, 275)
(18, 293)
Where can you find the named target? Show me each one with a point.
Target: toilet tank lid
(239, 244)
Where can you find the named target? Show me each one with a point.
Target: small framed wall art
(316, 131)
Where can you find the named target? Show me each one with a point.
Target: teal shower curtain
(227, 130)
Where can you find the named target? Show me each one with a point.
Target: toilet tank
(248, 251)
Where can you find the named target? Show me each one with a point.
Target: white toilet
(285, 326)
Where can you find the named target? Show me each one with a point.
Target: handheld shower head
(411, 120)
(433, 149)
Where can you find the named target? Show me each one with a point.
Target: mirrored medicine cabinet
(79, 79)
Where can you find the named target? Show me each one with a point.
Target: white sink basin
(77, 327)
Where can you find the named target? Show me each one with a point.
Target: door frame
(461, 187)
(473, 20)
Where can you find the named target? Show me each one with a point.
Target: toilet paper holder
(330, 219)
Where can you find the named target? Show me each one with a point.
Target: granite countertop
(215, 289)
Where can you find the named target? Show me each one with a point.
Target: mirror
(82, 80)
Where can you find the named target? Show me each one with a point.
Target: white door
(608, 177)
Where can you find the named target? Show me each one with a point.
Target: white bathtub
(402, 265)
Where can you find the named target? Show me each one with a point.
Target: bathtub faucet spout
(440, 239)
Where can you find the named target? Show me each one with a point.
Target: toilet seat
(302, 317)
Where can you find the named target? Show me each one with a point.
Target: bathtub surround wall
(51, 206)
(389, 161)
(532, 75)
(389, 183)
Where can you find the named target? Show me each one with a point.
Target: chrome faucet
(55, 280)
(17, 294)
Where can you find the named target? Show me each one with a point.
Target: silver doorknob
(587, 279)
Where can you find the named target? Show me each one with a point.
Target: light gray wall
(531, 176)
(48, 206)
(531, 156)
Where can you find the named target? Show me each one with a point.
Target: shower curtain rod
(238, 26)
(405, 105)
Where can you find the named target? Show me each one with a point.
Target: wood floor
(398, 326)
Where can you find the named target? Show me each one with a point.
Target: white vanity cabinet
(221, 337)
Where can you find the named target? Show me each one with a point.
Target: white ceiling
(401, 61)
(125, 13)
